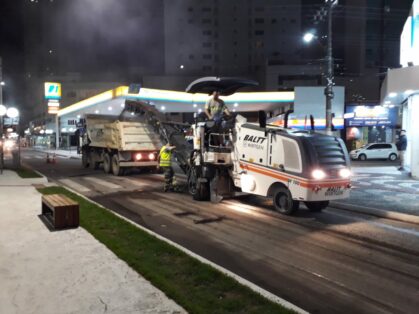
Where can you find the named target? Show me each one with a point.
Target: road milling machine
(235, 156)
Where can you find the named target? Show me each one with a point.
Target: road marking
(103, 183)
(135, 182)
(74, 185)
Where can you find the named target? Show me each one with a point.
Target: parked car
(375, 151)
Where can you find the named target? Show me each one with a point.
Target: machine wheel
(283, 202)
(362, 157)
(198, 190)
(85, 159)
(107, 163)
(117, 170)
(316, 206)
(392, 157)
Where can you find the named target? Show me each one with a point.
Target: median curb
(413, 219)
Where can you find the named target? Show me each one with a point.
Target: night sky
(92, 36)
(11, 50)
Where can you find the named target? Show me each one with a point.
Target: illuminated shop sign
(371, 116)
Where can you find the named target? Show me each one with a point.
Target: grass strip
(197, 287)
(26, 173)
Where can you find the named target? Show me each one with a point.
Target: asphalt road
(330, 262)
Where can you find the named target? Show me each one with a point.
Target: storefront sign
(371, 116)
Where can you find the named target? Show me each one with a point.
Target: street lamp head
(308, 37)
(2, 83)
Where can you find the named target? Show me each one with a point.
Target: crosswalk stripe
(74, 185)
(135, 182)
(103, 183)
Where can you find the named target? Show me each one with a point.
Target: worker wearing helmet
(215, 107)
(165, 162)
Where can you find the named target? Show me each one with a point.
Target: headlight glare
(345, 173)
(318, 174)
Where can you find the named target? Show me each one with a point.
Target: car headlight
(151, 156)
(345, 173)
(9, 144)
(318, 174)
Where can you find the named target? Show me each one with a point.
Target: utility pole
(328, 91)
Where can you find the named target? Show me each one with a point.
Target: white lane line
(74, 185)
(103, 183)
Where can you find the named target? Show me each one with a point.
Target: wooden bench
(60, 211)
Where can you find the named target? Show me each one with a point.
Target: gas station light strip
(175, 96)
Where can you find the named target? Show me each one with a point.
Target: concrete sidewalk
(384, 188)
(64, 271)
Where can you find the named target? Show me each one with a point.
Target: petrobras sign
(52, 90)
(409, 40)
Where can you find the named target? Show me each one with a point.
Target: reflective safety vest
(165, 157)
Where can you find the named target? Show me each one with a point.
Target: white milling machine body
(290, 166)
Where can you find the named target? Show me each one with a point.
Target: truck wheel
(94, 164)
(107, 163)
(117, 170)
(316, 206)
(283, 202)
(85, 159)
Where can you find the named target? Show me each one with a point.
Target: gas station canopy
(112, 102)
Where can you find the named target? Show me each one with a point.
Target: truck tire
(316, 206)
(117, 170)
(85, 159)
(283, 202)
(107, 163)
(94, 164)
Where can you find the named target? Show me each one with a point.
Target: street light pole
(328, 91)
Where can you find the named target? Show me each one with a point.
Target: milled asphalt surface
(63, 271)
(330, 262)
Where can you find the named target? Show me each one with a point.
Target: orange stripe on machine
(306, 183)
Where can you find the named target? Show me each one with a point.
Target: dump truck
(118, 143)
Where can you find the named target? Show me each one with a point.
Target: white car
(375, 151)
